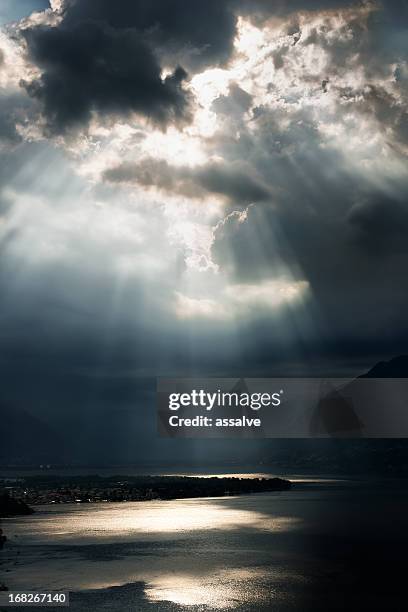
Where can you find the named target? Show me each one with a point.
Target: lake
(325, 545)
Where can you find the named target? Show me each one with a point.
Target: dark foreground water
(322, 546)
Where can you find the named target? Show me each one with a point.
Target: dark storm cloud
(108, 57)
(93, 67)
(236, 181)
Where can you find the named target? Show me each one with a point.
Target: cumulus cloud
(109, 58)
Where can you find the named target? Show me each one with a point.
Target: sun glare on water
(117, 521)
(223, 590)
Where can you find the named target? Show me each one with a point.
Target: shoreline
(56, 490)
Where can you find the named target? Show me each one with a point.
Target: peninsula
(35, 490)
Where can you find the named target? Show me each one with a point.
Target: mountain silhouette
(395, 368)
(364, 408)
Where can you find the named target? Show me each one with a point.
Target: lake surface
(325, 545)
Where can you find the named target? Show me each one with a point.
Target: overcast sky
(217, 188)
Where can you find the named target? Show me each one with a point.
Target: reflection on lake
(220, 590)
(277, 551)
(120, 521)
